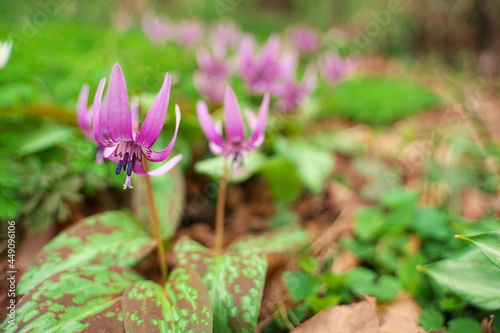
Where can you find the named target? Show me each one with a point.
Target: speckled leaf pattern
(281, 241)
(86, 299)
(235, 283)
(182, 306)
(112, 238)
(168, 192)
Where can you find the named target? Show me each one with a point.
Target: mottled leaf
(80, 299)
(112, 238)
(471, 277)
(169, 194)
(281, 241)
(182, 306)
(234, 282)
(488, 243)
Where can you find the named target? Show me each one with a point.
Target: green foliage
(488, 243)
(168, 193)
(471, 276)
(283, 241)
(112, 238)
(377, 100)
(76, 299)
(235, 283)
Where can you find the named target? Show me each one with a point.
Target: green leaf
(386, 288)
(112, 238)
(488, 243)
(182, 306)
(363, 281)
(235, 283)
(285, 240)
(46, 137)
(301, 285)
(169, 193)
(283, 179)
(471, 277)
(87, 298)
(370, 223)
(314, 164)
(431, 320)
(463, 325)
(214, 166)
(399, 197)
(430, 222)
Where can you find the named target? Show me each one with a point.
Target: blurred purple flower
(159, 30)
(305, 39)
(260, 71)
(213, 75)
(84, 118)
(225, 35)
(189, 32)
(211, 88)
(125, 143)
(235, 144)
(214, 63)
(334, 68)
(291, 93)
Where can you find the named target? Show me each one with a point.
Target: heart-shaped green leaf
(235, 283)
(168, 193)
(80, 299)
(112, 238)
(471, 276)
(488, 243)
(182, 306)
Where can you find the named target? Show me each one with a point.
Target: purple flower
(235, 144)
(305, 39)
(213, 76)
(225, 35)
(210, 87)
(334, 68)
(189, 32)
(291, 93)
(259, 71)
(159, 30)
(125, 143)
(84, 118)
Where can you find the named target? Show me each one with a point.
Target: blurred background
(392, 115)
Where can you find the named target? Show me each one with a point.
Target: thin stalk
(219, 214)
(155, 224)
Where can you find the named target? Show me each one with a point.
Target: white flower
(5, 49)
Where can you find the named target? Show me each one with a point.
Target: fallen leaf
(358, 317)
(392, 322)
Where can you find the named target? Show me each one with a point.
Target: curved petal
(155, 119)
(134, 109)
(235, 132)
(109, 153)
(157, 156)
(117, 108)
(139, 168)
(84, 114)
(251, 119)
(99, 127)
(207, 125)
(258, 133)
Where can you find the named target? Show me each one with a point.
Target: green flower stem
(219, 214)
(156, 230)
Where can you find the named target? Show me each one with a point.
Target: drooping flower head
(259, 70)
(158, 29)
(334, 68)
(125, 143)
(5, 49)
(189, 32)
(213, 74)
(292, 92)
(225, 35)
(304, 38)
(235, 144)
